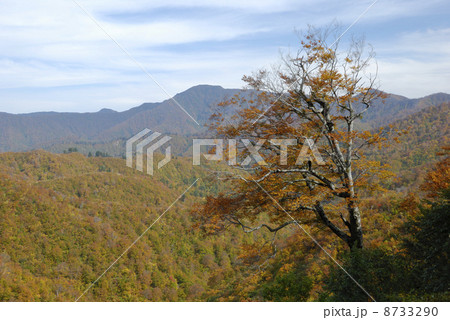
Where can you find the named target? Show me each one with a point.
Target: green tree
(380, 273)
(429, 245)
(293, 286)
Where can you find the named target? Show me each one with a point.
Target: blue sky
(53, 57)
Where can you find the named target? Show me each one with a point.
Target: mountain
(64, 218)
(107, 130)
(48, 130)
(427, 131)
(395, 107)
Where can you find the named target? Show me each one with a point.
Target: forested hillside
(395, 107)
(65, 218)
(415, 152)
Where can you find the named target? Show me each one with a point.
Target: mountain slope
(427, 132)
(396, 107)
(43, 130)
(107, 130)
(65, 218)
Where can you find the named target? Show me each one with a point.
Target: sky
(54, 57)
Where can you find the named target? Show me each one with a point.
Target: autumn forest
(370, 221)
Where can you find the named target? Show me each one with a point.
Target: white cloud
(120, 90)
(54, 45)
(416, 64)
(413, 78)
(259, 6)
(432, 42)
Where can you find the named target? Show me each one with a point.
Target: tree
(377, 270)
(438, 180)
(292, 286)
(429, 245)
(314, 100)
(418, 272)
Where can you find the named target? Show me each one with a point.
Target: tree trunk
(356, 233)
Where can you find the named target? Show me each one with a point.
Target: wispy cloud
(417, 63)
(53, 57)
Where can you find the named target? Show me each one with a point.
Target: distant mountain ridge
(396, 107)
(55, 131)
(24, 132)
